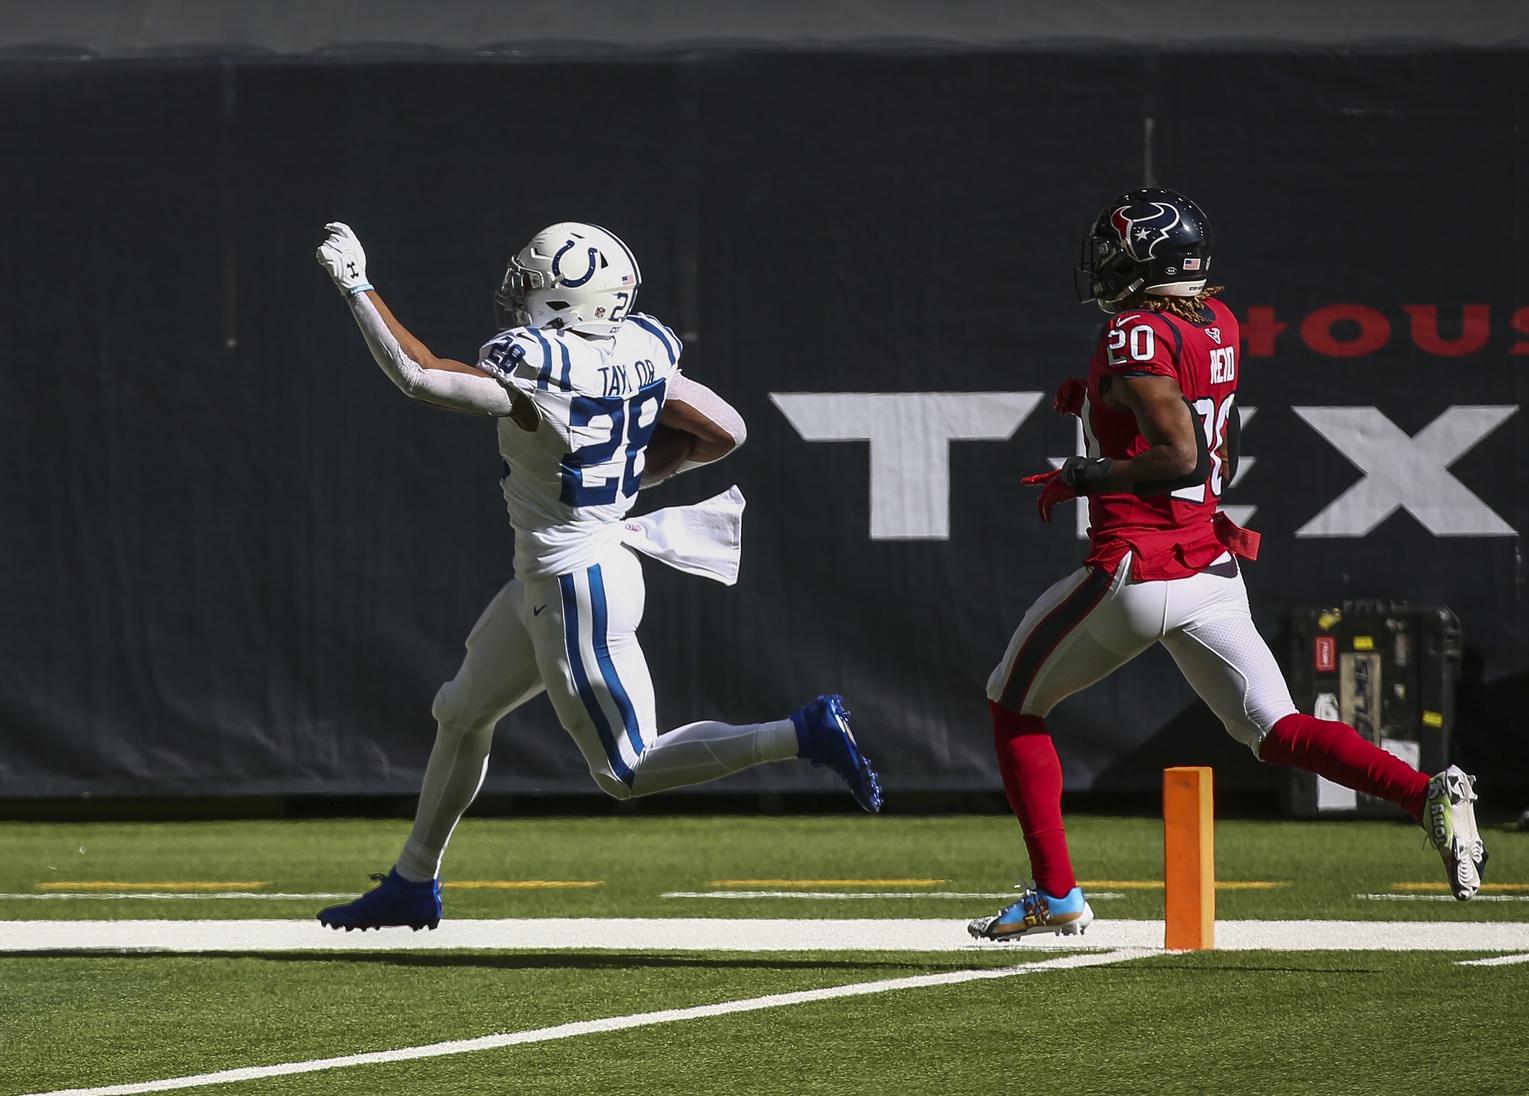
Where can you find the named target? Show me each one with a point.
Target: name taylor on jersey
(620, 381)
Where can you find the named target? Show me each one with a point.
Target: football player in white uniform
(578, 383)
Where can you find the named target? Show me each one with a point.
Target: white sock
(458, 763)
(704, 751)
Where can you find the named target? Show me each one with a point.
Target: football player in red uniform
(1160, 418)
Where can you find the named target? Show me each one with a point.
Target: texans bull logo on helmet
(1149, 240)
(1144, 225)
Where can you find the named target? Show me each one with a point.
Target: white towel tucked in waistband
(704, 539)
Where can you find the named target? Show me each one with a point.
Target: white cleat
(1450, 821)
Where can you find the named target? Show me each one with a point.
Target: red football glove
(1069, 397)
(1053, 491)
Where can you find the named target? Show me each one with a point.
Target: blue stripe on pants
(608, 667)
(581, 679)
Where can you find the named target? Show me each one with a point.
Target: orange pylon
(1189, 859)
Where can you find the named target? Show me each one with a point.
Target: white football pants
(1091, 623)
(573, 636)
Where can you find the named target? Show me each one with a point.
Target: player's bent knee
(1254, 732)
(445, 706)
(1008, 723)
(450, 712)
(611, 786)
(1245, 731)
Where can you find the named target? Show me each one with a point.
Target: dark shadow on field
(1125, 970)
(517, 961)
(615, 960)
(583, 961)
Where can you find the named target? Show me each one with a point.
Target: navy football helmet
(1149, 240)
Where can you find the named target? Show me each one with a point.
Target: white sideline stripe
(549, 933)
(735, 894)
(590, 1027)
(1095, 896)
(204, 895)
(735, 934)
(1011, 895)
(1495, 961)
(1440, 897)
(177, 895)
(1370, 935)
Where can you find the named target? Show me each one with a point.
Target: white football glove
(341, 255)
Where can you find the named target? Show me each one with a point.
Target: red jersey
(1168, 535)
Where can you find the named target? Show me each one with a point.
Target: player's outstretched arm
(406, 360)
(692, 411)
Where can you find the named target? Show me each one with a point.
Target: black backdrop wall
(233, 559)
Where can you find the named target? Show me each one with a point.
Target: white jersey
(569, 483)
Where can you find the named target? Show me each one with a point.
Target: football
(667, 450)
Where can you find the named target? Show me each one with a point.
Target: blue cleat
(394, 901)
(1036, 911)
(824, 738)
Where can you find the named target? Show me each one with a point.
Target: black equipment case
(1386, 668)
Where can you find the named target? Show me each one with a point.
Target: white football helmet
(571, 276)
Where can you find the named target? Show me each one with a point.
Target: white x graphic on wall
(1406, 472)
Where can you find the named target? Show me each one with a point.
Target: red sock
(1032, 780)
(1344, 756)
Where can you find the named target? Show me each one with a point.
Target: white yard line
(1439, 897)
(736, 934)
(1106, 942)
(177, 896)
(729, 895)
(1371, 935)
(1011, 896)
(592, 1027)
(1494, 961)
(623, 934)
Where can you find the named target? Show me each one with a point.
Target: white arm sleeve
(713, 406)
(442, 387)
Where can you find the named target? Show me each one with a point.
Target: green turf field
(1225, 1021)
(629, 864)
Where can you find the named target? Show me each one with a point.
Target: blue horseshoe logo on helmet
(574, 283)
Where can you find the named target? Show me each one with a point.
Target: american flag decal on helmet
(1191, 264)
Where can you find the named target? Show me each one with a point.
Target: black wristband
(1087, 475)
